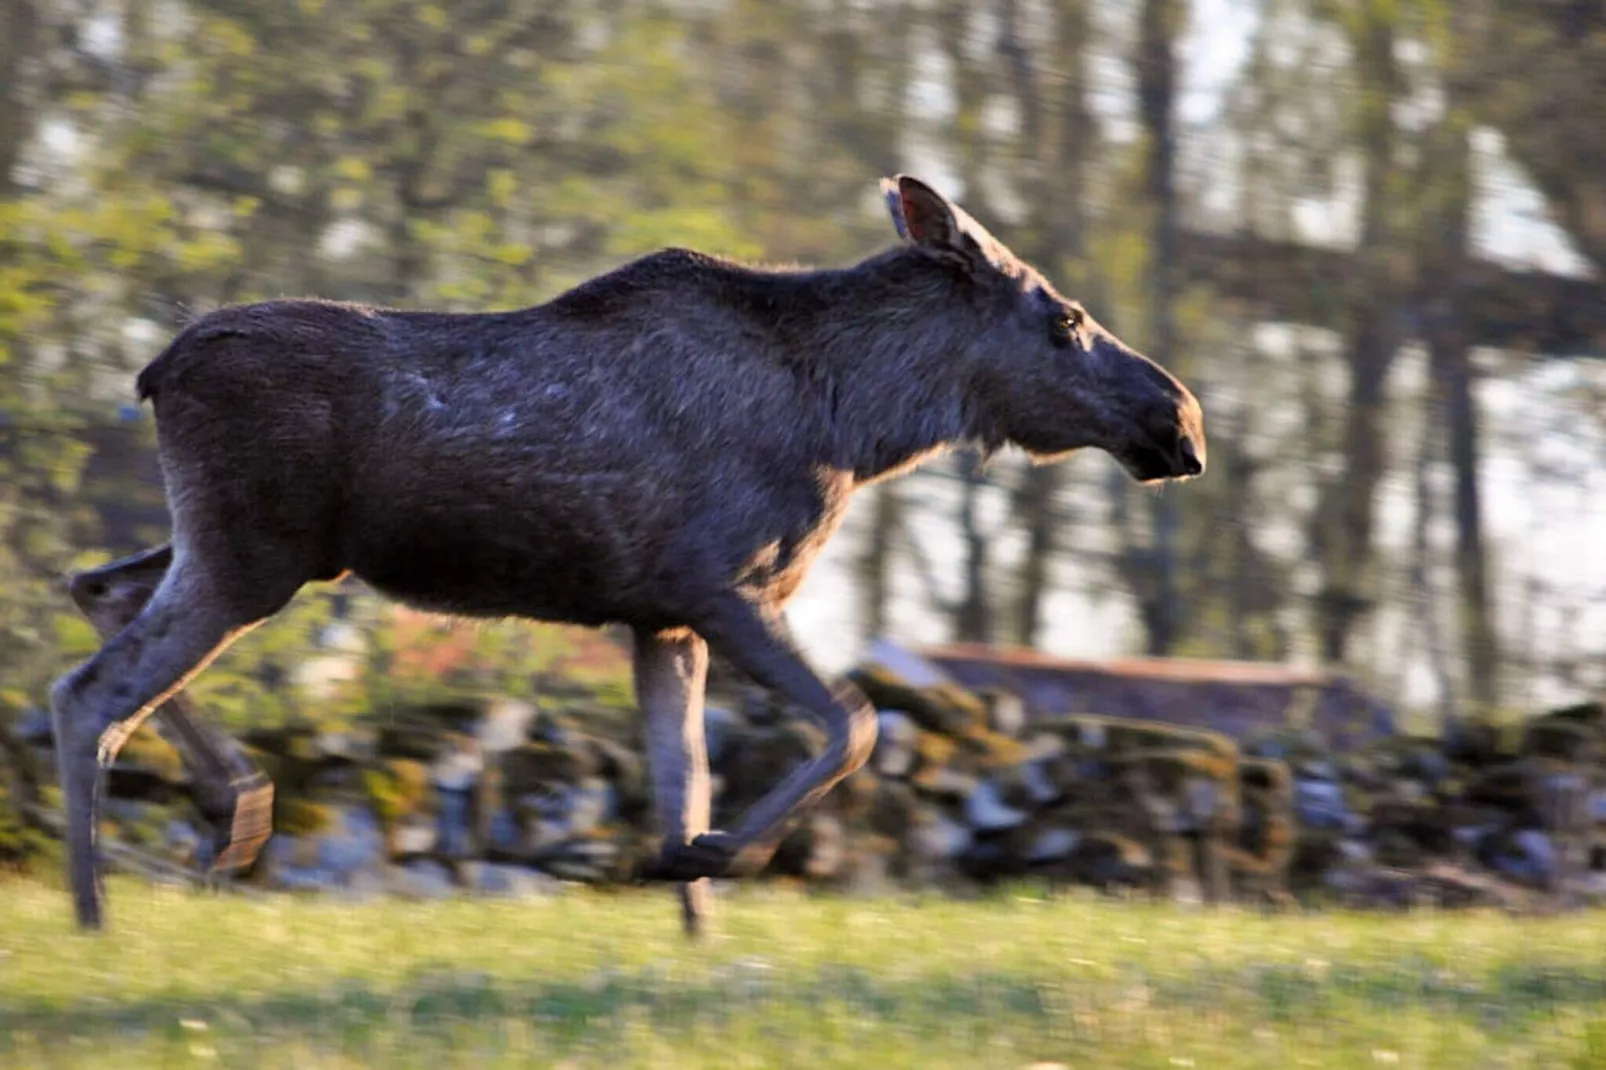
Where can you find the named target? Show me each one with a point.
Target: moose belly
(488, 562)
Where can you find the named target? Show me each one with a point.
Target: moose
(665, 447)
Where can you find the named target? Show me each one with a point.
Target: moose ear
(920, 213)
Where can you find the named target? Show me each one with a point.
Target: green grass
(596, 980)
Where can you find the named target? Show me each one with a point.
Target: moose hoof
(242, 830)
(709, 855)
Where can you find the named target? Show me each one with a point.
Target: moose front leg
(232, 794)
(753, 639)
(671, 670)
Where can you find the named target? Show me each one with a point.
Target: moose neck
(883, 345)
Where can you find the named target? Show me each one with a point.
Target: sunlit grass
(598, 980)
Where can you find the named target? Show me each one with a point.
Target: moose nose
(1191, 464)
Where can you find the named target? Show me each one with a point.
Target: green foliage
(399, 788)
(250, 684)
(480, 156)
(148, 750)
(21, 843)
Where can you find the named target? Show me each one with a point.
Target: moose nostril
(1191, 465)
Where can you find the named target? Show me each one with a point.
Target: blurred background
(1369, 233)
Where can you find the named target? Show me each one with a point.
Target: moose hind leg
(186, 623)
(755, 642)
(233, 796)
(671, 671)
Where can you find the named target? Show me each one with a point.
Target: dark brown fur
(668, 445)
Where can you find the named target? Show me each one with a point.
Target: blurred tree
(1540, 73)
(1058, 140)
(1344, 523)
(1445, 223)
(1160, 26)
(156, 159)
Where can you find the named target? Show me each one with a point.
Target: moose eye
(1067, 324)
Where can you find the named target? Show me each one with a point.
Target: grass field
(596, 980)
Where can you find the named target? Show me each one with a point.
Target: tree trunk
(1034, 505)
(19, 40)
(1480, 642)
(974, 621)
(875, 560)
(1161, 22)
(1054, 188)
(973, 617)
(1424, 596)
(1444, 287)
(1347, 516)
(1541, 73)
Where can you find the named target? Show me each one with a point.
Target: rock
(1107, 861)
(498, 880)
(535, 767)
(1470, 836)
(720, 723)
(503, 835)
(565, 813)
(869, 873)
(586, 861)
(827, 847)
(944, 708)
(1559, 794)
(1038, 786)
(505, 725)
(1030, 782)
(351, 844)
(893, 811)
(356, 746)
(1319, 770)
(946, 783)
(591, 804)
(626, 771)
(184, 844)
(1291, 745)
(459, 765)
(413, 836)
(990, 859)
(894, 754)
(935, 836)
(986, 811)
(1051, 844)
(933, 753)
(1576, 742)
(1439, 886)
(362, 886)
(759, 757)
(453, 834)
(1320, 804)
(420, 879)
(1006, 711)
(1524, 855)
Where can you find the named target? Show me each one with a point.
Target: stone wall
(967, 786)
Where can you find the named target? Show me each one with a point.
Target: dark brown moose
(667, 446)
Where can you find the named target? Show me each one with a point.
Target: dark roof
(1239, 698)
